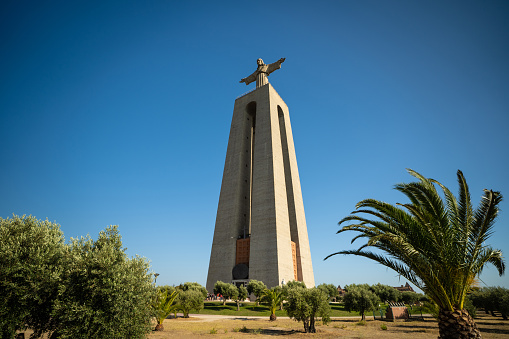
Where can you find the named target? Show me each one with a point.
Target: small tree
(386, 292)
(191, 297)
(330, 289)
(361, 299)
(241, 295)
(306, 304)
(409, 298)
(221, 288)
(231, 292)
(165, 306)
(194, 286)
(273, 298)
(31, 255)
(190, 300)
(257, 288)
(103, 293)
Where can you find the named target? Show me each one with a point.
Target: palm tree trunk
(457, 325)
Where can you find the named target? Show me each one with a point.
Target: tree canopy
(360, 298)
(436, 241)
(306, 304)
(83, 289)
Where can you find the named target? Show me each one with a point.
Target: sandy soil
(246, 327)
(214, 326)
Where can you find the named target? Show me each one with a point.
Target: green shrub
(31, 256)
(103, 293)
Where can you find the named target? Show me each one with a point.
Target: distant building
(406, 288)
(341, 292)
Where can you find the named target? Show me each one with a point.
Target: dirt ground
(247, 327)
(255, 327)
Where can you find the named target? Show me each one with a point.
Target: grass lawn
(250, 309)
(239, 328)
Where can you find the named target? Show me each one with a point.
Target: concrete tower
(260, 230)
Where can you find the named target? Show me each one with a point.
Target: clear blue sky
(119, 113)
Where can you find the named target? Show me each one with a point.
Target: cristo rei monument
(260, 230)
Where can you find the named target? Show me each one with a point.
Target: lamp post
(155, 277)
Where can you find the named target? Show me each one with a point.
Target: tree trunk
(159, 327)
(312, 328)
(306, 325)
(272, 317)
(457, 325)
(238, 306)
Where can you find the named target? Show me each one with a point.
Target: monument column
(260, 230)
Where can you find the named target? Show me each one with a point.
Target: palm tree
(164, 307)
(439, 244)
(273, 298)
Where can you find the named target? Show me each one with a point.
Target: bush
(31, 255)
(361, 299)
(103, 293)
(86, 289)
(306, 304)
(330, 289)
(191, 298)
(257, 288)
(386, 293)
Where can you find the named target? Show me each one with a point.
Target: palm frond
(436, 243)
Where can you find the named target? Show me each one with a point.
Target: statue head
(259, 62)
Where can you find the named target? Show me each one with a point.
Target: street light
(155, 277)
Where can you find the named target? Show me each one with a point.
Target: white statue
(262, 72)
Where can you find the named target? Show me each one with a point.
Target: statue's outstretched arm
(249, 79)
(275, 65)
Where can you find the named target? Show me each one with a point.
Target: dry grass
(491, 328)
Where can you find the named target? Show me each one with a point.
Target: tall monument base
(260, 230)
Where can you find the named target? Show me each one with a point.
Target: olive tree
(222, 288)
(31, 254)
(103, 293)
(330, 289)
(241, 295)
(306, 304)
(191, 297)
(386, 292)
(257, 288)
(361, 299)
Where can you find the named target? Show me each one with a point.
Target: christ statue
(262, 72)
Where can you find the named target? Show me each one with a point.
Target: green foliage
(291, 284)
(85, 289)
(469, 306)
(492, 299)
(191, 298)
(383, 327)
(257, 288)
(439, 244)
(31, 256)
(273, 298)
(241, 295)
(330, 289)
(103, 293)
(228, 291)
(409, 298)
(306, 304)
(386, 293)
(165, 304)
(194, 286)
(360, 298)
